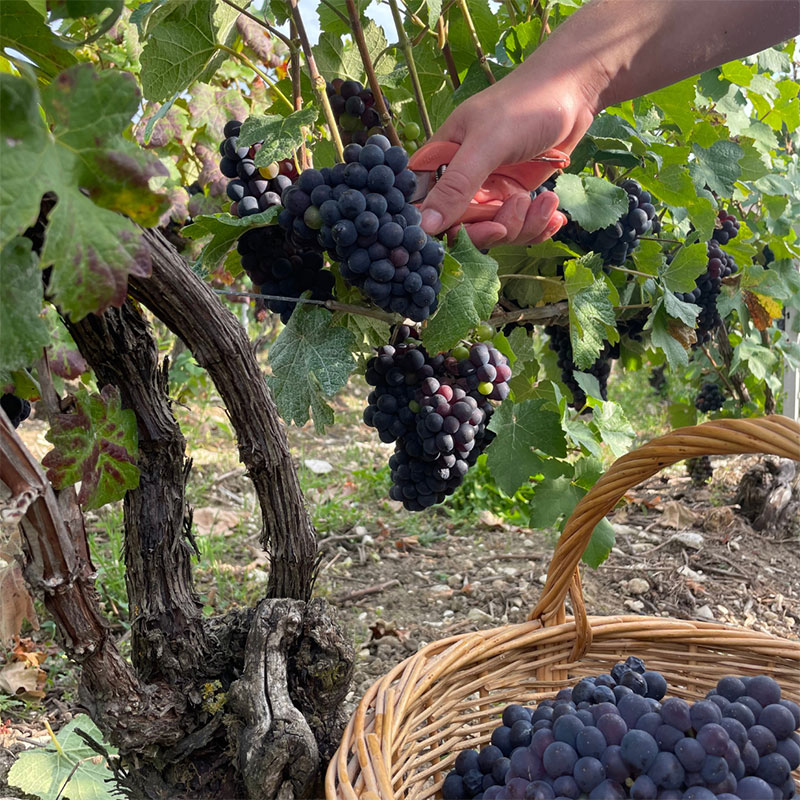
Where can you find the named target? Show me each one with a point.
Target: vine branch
(412, 69)
(544, 315)
(476, 43)
(372, 78)
(261, 74)
(317, 81)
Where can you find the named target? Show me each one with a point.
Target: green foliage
(68, 768)
(94, 444)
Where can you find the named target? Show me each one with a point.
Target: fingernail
(432, 221)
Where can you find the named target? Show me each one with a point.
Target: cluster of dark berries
(561, 344)
(729, 228)
(359, 212)
(354, 108)
(699, 470)
(707, 288)
(709, 398)
(252, 189)
(436, 409)
(615, 242)
(17, 409)
(277, 268)
(614, 736)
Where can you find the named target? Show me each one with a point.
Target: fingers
(465, 174)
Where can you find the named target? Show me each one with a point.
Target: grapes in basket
(619, 735)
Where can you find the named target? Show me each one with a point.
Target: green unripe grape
(484, 332)
(413, 406)
(485, 387)
(349, 123)
(410, 130)
(270, 171)
(411, 147)
(312, 218)
(461, 352)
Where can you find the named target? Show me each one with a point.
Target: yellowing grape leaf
(762, 309)
(95, 444)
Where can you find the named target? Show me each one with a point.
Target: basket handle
(771, 435)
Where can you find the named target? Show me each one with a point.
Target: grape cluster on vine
(699, 470)
(252, 189)
(709, 398)
(616, 242)
(359, 212)
(709, 284)
(17, 409)
(354, 109)
(279, 269)
(616, 735)
(436, 409)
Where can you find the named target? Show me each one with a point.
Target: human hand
(514, 120)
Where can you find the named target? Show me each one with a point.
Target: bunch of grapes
(353, 106)
(729, 228)
(359, 212)
(699, 470)
(17, 409)
(252, 189)
(561, 344)
(436, 409)
(614, 736)
(277, 268)
(616, 242)
(709, 398)
(709, 284)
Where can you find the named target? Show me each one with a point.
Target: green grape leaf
(476, 80)
(599, 547)
(181, 47)
(280, 135)
(310, 360)
(468, 296)
(337, 23)
(677, 101)
(689, 263)
(213, 106)
(430, 65)
(459, 36)
(614, 428)
(649, 257)
(671, 184)
(591, 313)
(23, 29)
(716, 166)
(95, 444)
(522, 428)
(76, 771)
(553, 500)
(224, 230)
(336, 59)
(592, 202)
(525, 366)
(91, 248)
(685, 312)
(522, 39)
(664, 335)
(774, 59)
(25, 333)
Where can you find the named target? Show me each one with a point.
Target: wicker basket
(408, 728)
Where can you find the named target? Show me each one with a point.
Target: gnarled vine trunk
(265, 684)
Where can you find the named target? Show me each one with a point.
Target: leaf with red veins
(96, 444)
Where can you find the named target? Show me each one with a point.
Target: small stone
(440, 588)
(479, 615)
(411, 645)
(259, 575)
(448, 612)
(641, 547)
(467, 564)
(704, 612)
(359, 530)
(510, 571)
(364, 653)
(455, 581)
(690, 539)
(318, 466)
(543, 579)
(691, 574)
(627, 530)
(452, 551)
(634, 605)
(527, 542)
(638, 586)
(735, 546)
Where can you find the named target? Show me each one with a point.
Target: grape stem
(264, 24)
(412, 69)
(718, 369)
(452, 71)
(248, 63)
(541, 315)
(297, 94)
(372, 78)
(514, 276)
(630, 271)
(317, 81)
(476, 43)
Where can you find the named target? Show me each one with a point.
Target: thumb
(450, 196)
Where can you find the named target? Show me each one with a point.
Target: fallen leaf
(318, 466)
(406, 543)
(491, 520)
(215, 520)
(677, 515)
(17, 677)
(695, 587)
(17, 604)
